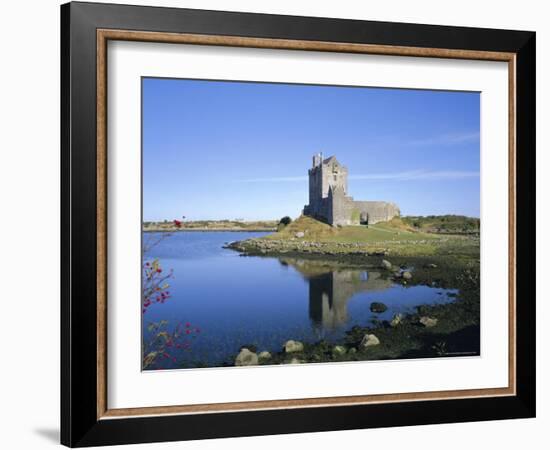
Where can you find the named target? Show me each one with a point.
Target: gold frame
(103, 36)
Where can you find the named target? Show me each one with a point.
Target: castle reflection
(331, 286)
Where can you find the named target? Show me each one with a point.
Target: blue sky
(225, 150)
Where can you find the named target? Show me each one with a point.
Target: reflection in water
(331, 287)
(265, 301)
(329, 294)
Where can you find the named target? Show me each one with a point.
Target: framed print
(277, 224)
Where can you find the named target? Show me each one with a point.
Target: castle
(329, 200)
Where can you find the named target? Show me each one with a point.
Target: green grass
(395, 237)
(317, 231)
(314, 230)
(379, 232)
(443, 224)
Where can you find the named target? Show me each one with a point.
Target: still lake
(265, 301)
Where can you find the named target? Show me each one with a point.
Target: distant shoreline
(233, 230)
(210, 226)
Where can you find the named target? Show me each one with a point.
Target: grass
(395, 237)
(315, 230)
(378, 233)
(321, 232)
(443, 224)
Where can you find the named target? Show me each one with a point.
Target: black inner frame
(79, 424)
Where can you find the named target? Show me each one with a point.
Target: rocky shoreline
(423, 334)
(444, 330)
(269, 246)
(258, 246)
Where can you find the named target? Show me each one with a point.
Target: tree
(285, 221)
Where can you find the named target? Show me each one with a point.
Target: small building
(329, 200)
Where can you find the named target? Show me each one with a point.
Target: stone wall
(377, 211)
(339, 208)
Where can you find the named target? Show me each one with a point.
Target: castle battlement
(329, 200)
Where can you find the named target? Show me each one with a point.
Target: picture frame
(86, 418)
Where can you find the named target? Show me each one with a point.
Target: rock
(396, 320)
(293, 346)
(246, 358)
(378, 307)
(428, 322)
(295, 361)
(406, 275)
(300, 234)
(338, 350)
(250, 347)
(385, 264)
(369, 340)
(264, 355)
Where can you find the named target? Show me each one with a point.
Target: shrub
(285, 221)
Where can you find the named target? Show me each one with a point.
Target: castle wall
(335, 176)
(376, 211)
(328, 199)
(340, 208)
(314, 191)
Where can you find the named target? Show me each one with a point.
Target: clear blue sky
(216, 150)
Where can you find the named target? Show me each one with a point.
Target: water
(263, 301)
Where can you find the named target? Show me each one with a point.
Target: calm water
(236, 300)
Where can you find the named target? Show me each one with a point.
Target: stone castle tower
(329, 200)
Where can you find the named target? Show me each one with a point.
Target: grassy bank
(309, 236)
(434, 259)
(448, 224)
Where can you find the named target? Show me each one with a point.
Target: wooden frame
(86, 28)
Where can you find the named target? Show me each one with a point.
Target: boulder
(369, 340)
(299, 234)
(378, 307)
(246, 358)
(396, 320)
(406, 275)
(338, 350)
(385, 264)
(428, 322)
(264, 355)
(293, 346)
